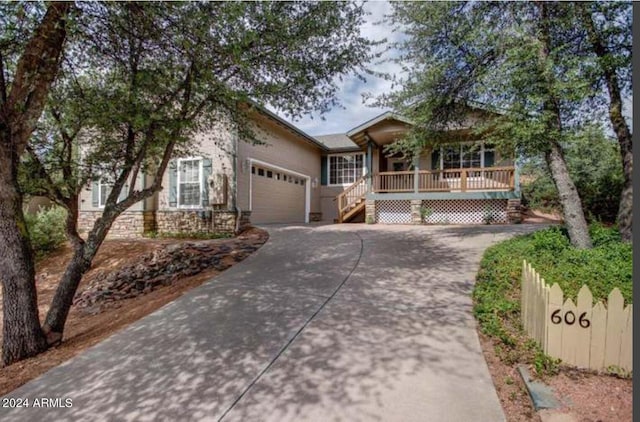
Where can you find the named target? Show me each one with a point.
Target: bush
(46, 229)
(497, 291)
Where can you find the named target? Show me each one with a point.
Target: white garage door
(276, 196)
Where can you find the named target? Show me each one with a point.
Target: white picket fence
(581, 334)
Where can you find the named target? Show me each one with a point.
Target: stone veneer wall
(185, 221)
(128, 224)
(514, 211)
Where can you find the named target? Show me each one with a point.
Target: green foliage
(187, 235)
(497, 291)
(46, 229)
(369, 219)
(594, 166)
(140, 80)
(425, 213)
(488, 216)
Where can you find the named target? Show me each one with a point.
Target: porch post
(369, 164)
(416, 172)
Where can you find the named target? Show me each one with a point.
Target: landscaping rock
(160, 268)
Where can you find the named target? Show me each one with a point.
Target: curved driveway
(323, 323)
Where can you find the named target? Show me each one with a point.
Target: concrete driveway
(323, 323)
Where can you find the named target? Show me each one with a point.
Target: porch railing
(451, 180)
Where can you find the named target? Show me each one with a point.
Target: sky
(354, 111)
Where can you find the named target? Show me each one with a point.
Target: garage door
(276, 196)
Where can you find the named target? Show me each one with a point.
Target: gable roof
(387, 115)
(337, 142)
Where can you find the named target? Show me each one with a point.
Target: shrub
(497, 291)
(46, 229)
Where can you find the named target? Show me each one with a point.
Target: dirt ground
(84, 330)
(586, 396)
(536, 216)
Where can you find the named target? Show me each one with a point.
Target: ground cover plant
(497, 291)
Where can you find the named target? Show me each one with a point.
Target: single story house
(292, 177)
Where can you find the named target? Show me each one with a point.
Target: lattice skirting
(393, 212)
(465, 211)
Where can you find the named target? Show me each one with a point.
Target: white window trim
(364, 167)
(200, 173)
(482, 151)
(100, 187)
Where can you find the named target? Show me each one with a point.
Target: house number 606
(570, 318)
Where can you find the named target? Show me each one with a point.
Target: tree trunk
(22, 335)
(63, 298)
(619, 123)
(625, 211)
(19, 112)
(569, 199)
(80, 263)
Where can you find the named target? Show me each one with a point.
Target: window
(462, 156)
(190, 183)
(471, 156)
(345, 169)
(104, 189)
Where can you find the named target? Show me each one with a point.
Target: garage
(277, 196)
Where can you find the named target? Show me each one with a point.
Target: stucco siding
(328, 205)
(86, 197)
(281, 148)
(214, 144)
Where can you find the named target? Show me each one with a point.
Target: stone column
(416, 218)
(514, 211)
(370, 211)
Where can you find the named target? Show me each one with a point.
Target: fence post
(524, 291)
(554, 336)
(598, 336)
(626, 346)
(615, 323)
(583, 339)
(569, 332)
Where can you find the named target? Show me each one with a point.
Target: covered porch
(449, 180)
(463, 168)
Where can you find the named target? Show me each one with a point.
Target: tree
(511, 58)
(608, 29)
(25, 80)
(140, 79)
(594, 164)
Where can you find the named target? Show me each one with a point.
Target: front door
(398, 164)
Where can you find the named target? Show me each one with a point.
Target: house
(291, 177)
(461, 180)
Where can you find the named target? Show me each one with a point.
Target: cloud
(353, 110)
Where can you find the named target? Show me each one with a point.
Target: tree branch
(35, 72)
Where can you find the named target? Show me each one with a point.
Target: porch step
(353, 211)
